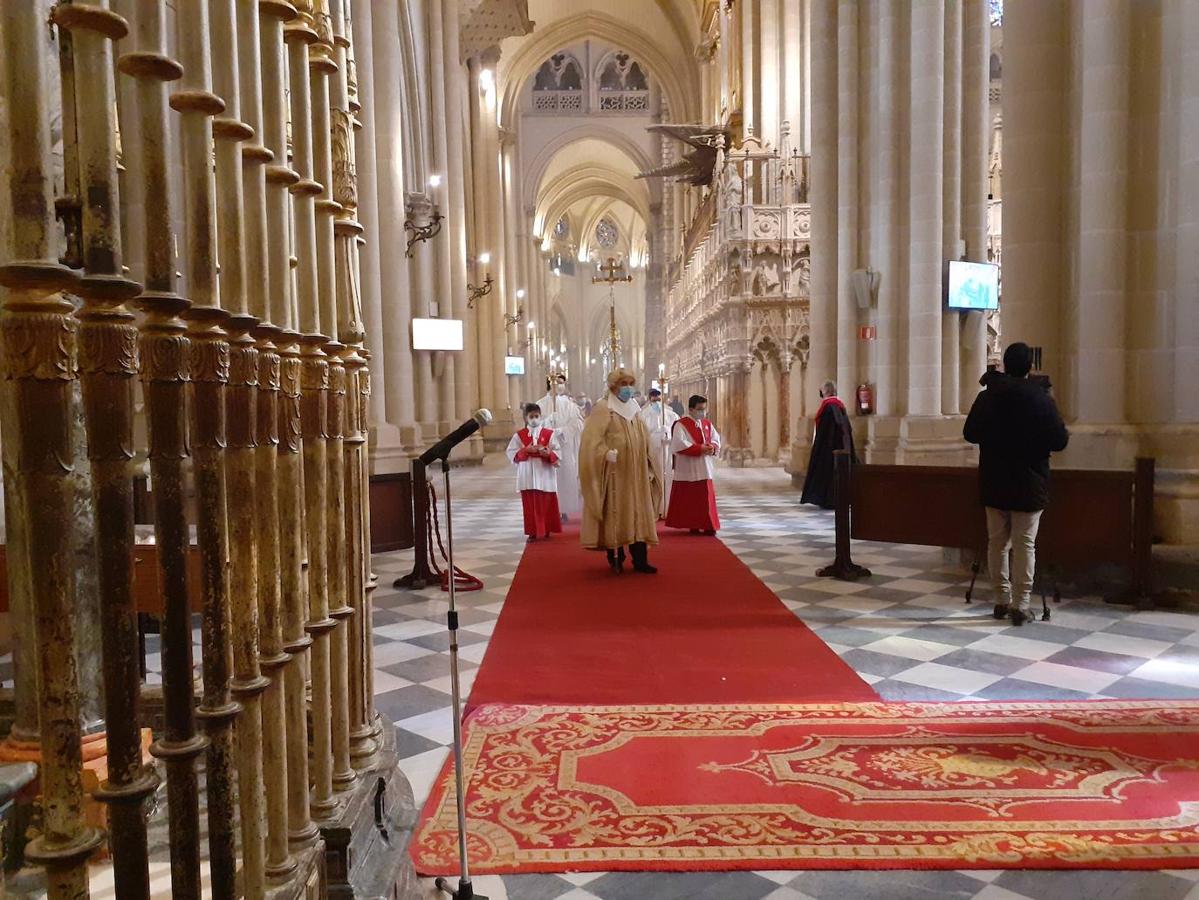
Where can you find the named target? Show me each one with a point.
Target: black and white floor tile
(907, 631)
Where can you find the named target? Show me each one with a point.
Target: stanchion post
(843, 567)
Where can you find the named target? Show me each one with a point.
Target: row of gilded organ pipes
(254, 402)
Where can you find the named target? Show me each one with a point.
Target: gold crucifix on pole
(610, 268)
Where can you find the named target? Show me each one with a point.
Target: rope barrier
(463, 581)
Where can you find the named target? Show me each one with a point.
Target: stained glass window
(996, 12)
(606, 234)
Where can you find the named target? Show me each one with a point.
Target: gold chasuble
(620, 500)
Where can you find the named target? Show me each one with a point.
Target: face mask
(561, 389)
(534, 422)
(625, 394)
(699, 414)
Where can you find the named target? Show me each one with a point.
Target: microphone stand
(465, 890)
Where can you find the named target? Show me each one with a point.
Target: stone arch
(678, 89)
(597, 131)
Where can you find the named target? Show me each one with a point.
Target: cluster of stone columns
(256, 389)
(899, 174)
(1101, 221)
(417, 106)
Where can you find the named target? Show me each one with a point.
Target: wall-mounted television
(972, 286)
(514, 365)
(437, 334)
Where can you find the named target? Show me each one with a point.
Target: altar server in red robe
(534, 451)
(695, 443)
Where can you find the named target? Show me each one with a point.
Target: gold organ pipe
(164, 357)
(108, 355)
(209, 363)
(37, 335)
(280, 178)
(230, 132)
(362, 745)
(299, 35)
(279, 863)
(330, 284)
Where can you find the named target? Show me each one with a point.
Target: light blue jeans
(1015, 532)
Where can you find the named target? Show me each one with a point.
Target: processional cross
(611, 278)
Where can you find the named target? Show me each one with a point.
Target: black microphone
(442, 448)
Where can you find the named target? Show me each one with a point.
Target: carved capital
(269, 371)
(108, 348)
(210, 360)
(164, 356)
(243, 366)
(39, 345)
(345, 179)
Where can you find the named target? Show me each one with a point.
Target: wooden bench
(1095, 517)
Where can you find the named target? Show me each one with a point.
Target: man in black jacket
(1016, 425)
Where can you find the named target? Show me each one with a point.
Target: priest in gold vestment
(622, 486)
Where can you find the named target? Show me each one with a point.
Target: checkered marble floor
(907, 631)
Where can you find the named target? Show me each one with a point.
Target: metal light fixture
(478, 292)
(423, 219)
(516, 319)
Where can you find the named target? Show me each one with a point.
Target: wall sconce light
(423, 220)
(480, 291)
(516, 319)
(520, 293)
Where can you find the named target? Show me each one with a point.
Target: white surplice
(562, 414)
(659, 443)
(693, 468)
(535, 474)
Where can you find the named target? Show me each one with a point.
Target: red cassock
(541, 514)
(693, 500)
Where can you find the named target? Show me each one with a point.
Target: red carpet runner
(704, 630)
(1107, 784)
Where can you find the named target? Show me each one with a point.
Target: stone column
(825, 231)
(1099, 363)
(387, 80)
(771, 83)
(1186, 322)
(925, 177)
(481, 233)
(795, 86)
(885, 250)
(951, 200)
(847, 193)
(422, 278)
(440, 123)
(976, 140)
(466, 368)
(1035, 141)
(384, 436)
(750, 99)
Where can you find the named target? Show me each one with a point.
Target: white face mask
(561, 389)
(534, 422)
(699, 414)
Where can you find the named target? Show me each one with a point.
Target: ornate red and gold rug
(1107, 784)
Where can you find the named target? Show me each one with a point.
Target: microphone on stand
(442, 448)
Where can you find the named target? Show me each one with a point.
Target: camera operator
(1016, 425)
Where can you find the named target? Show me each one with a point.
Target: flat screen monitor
(972, 286)
(437, 334)
(514, 365)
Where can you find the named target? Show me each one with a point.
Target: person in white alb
(695, 444)
(562, 414)
(659, 419)
(534, 452)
